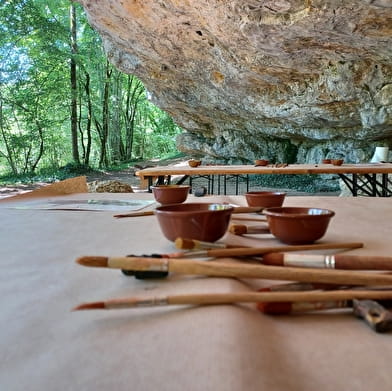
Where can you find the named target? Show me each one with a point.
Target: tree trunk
(74, 87)
(87, 147)
(9, 155)
(103, 161)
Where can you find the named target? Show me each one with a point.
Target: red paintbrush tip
(99, 305)
(93, 261)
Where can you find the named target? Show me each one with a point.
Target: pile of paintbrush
(319, 281)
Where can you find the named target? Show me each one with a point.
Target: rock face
(289, 80)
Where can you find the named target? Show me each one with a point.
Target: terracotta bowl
(261, 162)
(265, 199)
(194, 163)
(337, 162)
(199, 221)
(326, 161)
(295, 225)
(170, 194)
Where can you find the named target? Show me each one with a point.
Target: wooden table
(369, 179)
(45, 346)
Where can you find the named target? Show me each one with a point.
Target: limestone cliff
(292, 80)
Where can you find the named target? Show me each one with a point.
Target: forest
(61, 101)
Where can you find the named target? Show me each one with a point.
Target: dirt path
(126, 176)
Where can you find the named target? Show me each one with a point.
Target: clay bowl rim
(188, 208)
(194, 163)
(297, 212)
(261, 162)
(170, 194)
(174, 220)
(337, 162)
(174, 186)
(266, 192)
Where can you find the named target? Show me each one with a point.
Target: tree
(74, 84)
(61, 100)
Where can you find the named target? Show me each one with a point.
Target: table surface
(363, 168)
(46, 346)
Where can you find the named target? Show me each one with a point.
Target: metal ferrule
(307, 260)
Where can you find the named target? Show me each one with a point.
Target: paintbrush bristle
(238, 229)
(98, 305)
(93, 261)
(184, 244)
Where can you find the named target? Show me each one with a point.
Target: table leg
(183, 179)
(350, 183)
(355, 185)
(161, 180)
(384, 185)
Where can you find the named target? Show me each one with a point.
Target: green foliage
(115, 121)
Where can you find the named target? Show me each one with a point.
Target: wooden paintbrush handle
(135, 214)
(242, 229)
(248, 251)
(337, 261)
(242, 297)
(139, 263)
(241, 270)
(362, 262)
(243, 218)
(271, 297)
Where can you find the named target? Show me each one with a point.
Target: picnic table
(370, 179)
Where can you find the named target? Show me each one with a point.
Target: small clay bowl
(337, 162)
(194, 163)
(170, 194)
(261, 162)
(198, 221)
(326, 161)
(296, 225)
(265, 199)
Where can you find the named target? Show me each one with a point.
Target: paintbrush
(236, 209)
(254, 251)
(135, 214)
(244, 218)
(288, 307)
(237, 270)
(192, 244)
(229, 298)
(222, 250)
(336, 261)
(239, 251)
(242, 229)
